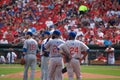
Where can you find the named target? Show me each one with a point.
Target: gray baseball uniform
(55, 62)
(74, 49)
(30, 57)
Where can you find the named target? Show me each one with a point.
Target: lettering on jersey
(73, 50)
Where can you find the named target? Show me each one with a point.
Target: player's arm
(63, 50)
(109, 50)
(8, 54)
(84, 55)
(60, 50)
(15, 55)
(24, 48)
(85, 51)
(47, 45)
(38, 49)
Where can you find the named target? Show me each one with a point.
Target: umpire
(44, 56)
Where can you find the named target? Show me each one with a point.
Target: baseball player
(44, 56)
(30, 48)
(111, 57)
(55, 61)
(2, 59)
(73, 49)
(11, 56)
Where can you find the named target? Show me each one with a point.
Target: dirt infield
(37, 75)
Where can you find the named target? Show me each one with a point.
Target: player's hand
(80, 60)
(22, 62)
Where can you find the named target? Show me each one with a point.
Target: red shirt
(101, 58)
(10, 37)
(4, 2)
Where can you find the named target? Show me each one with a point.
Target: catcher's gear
(22, 62)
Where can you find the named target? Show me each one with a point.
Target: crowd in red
(100, 23)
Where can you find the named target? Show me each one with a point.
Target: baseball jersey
(52, 45)
(31, 45)
(43, 43)
(110, 55)
(74, 48)
(12, 56)
(2, 59)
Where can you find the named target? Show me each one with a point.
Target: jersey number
(32, 47)
(54, 49)
(73, 50)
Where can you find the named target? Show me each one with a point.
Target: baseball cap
(29, 33)
(57, 32)
(47, 32)
(72, 34)
(52, 26)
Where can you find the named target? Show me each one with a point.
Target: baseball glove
(64, 70)
(22, 62)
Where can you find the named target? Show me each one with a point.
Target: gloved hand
(64, 70)
(22, 62)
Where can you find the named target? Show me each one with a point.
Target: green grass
(101, 79)
(13, 79)
(8, 68)
(9, 79)
(107, 70)
(96, 79)
(64, 79)
(12, 68)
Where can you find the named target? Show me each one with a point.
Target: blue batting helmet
(47, 32)
(72, 34)
(29, 33)
(57, 32)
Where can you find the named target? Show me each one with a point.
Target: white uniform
(74, 49)
(11, 56)
(2, 59)
(111, 56)
(55, 62)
